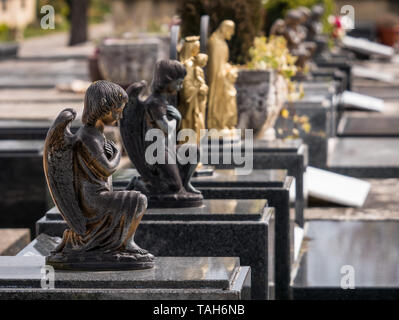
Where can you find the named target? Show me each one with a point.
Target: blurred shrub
(276, 9)
(247, 14)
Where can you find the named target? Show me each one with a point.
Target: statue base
(95, 261)
(161, 199)
(175, 200)
(203, 171)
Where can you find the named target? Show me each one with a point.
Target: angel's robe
(218, 53)
(112, 216)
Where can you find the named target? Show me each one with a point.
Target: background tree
(79, 21)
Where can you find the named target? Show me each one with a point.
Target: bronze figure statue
(292, 29)
(78, 169)
(164, 176)
(314, 23)
(220, 101)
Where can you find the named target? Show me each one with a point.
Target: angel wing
(132, 127)
(58, 168)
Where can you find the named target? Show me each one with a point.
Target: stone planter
(126, 61)
(260, 96)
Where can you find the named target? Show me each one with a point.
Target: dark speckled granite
(27, 129)
(290, 155)
(272, 185)
(319, 109)
(171, 278)
(231, 228)
(23, 187)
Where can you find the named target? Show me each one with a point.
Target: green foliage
(98, 9)
(5, 34)
(276, 9)
(273, 54)
(247, 14)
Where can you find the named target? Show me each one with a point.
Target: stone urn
(125, 61)
(260, 96)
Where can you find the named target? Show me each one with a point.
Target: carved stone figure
(292, 30)
(164, 177)
(219, 88)
(78, 168)
(314, 23)
(193, 96)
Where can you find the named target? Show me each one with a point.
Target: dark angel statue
(78, 169)
(166, 183)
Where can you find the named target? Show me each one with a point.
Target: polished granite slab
(171, 278)
(219, 178)
(364, 157)
(234, 228)
(277, 195)
(369, 247)
(28, 129)
(321, 113)
(287, 154)
(368, 126)
(214, 209)
(21, 146)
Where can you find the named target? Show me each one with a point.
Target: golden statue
(222, 106)
(193, 96)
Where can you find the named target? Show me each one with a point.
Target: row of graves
(214, 211)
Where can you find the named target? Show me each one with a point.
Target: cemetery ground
(28, 91)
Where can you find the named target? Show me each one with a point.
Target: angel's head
(168, 76)
(104, 101)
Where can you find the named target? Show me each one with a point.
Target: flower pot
(260, 96)
(388, 35)
(127, 61)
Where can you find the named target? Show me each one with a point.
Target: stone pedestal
(290, 155)
(172, 278)
(23, 187)
(319, 110)
(220, 228)
(340, 64)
